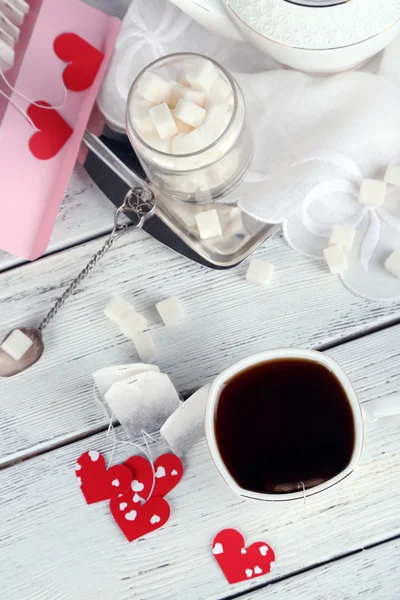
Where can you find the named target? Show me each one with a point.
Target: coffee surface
(284, 425)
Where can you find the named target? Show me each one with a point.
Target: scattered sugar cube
(163, 121)
(189, 113)
(154, 140)
(260, 272)
(16, 344)
(393, 263)
(145, 347)
(154, 88)
(183, 127)
(118, 310)
(392, 175)
(140, 115)
(344, 236)
(221, 87)
(171, 311)
(336, 259)
(194, 96)
(201, 75)
(133, 324)
(372, 192)
(176, 94)
(208, 224)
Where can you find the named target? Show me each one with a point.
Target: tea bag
(142, 402)
(7, 54)
(104, 378)
(185, 426)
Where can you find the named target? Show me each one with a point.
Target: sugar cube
(208, 224)
(372, 192)
(171, 311)
(392, 175)
(118, 310)
(183, 127)
(133, 324)
(163, 121)
(16, 344)
(216, 121)
(176, 94)
(260, 272)
(145, 346)
(141, 116)
(181, 77)
(336, 259)
(188, 143)
(201, 75)
(213, 98)
(221, 87)
(154, 88)
(189, 113)
(392, 264)
(344, 236)
(194, 96)
(154, 141)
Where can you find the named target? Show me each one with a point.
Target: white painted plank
(85, 213)
(371, 574)
(227, 319)
(55, 546)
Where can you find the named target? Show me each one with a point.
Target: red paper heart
(96, 482)
(53, 134)
(137, 520)
(83, 58)
(239, 563)
(168, 471)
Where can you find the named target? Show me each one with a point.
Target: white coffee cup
(383, 407)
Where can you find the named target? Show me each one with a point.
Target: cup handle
(388, 406)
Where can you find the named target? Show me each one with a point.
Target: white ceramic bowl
(320, 37)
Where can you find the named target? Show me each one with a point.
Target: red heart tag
(168, 471)
(83, 58)
(239, 563)
(136, 520)
(97, 483)
(53, 134)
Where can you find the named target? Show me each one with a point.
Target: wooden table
(342, 544)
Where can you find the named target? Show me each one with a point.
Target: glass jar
(210, 173)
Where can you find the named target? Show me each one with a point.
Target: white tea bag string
(18, 108)
(23, 97)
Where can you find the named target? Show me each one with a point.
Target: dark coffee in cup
(284, 425)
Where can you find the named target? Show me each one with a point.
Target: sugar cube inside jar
(186, 122)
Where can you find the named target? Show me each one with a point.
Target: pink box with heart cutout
(31, 188)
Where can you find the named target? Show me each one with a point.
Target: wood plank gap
(312, 567)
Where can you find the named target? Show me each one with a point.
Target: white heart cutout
(131, 515)
(155, 519)
(79, 480)
(115, 482)
(94, 455)
(137, 486)
(218, 548)
(123, 506)
(271, 564)
(78, 467)
(243, 551)
(136, 498)
(263, 550)
(160, 472)
(249, 573)
(257, 570)
(174, 472)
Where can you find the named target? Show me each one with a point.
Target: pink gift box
(31, 189)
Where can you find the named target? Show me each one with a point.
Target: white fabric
(316, 138)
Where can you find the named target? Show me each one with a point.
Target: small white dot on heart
(263, 550)
(78, 467)
(243, 551)
(115, 482)
(79, 480)
(218, 548)
(248, 572)
(272, 564)
(123, 506)
(94, 455)
(137, 486)
(155, 519)
(174, 472)
(136, 498)
(257, 570)
(131, 515)
(160, 472)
